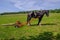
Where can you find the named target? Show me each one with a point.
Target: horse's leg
(28, 20)
(40, 18)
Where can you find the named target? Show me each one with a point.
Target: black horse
(38, 15)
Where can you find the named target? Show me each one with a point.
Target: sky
(27, 5)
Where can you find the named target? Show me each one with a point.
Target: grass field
(50, 24)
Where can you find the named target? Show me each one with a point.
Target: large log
(10, 24)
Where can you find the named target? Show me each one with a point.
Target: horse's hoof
(39, 24)
(28, 24)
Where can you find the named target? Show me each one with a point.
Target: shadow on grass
(44, 24)
(49, 24)
(41, 36)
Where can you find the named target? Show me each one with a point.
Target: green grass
(51, 24)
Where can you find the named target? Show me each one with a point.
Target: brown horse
(38, 15)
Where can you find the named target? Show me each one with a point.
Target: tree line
(55, 11)
(25, 12)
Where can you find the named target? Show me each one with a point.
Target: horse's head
(46, 12)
